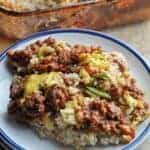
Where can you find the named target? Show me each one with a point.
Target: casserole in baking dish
(86, 14)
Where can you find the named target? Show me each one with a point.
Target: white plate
(20, 137)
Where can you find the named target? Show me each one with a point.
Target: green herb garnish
(98, 93)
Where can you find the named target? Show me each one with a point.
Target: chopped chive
(104, 76)
(99, 93)
(90, 93)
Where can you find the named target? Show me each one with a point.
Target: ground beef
(68, 81)
(49, 63)
(83, 49)
(130, 86)
(113, 111)
(22, 58)
(56, 62)
(49, 41)
(15, 111)
(115, 91)
(136, 93)
(141, 112)
(16, 88)
(100, 115)
(13, 107)
(78, 49)
(34, 105)
(108, 110)
(34, 47)
(133, 89)
(64, 57)
(126, 129)
(56, 97)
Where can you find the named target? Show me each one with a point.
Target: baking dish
(97, 15)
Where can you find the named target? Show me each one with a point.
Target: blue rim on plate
(138, 140)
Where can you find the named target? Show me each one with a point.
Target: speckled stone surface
(138, 35)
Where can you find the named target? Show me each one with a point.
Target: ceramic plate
(21, 137)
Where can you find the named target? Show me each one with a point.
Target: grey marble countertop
(138, 35)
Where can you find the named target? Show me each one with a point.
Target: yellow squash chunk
(131, 102)
(45, 50)
(68, 116)
(48, 122)
(96, 59)
(34, 82)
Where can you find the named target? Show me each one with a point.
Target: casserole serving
(75, 94)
